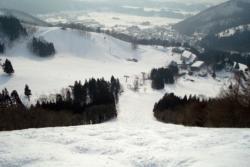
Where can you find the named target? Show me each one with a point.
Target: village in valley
(189, 64)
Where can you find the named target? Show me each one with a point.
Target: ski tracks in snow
(133, 139)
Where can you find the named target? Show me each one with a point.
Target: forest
(11, 27)
(42, 48)
(230, 109)
(89, 103)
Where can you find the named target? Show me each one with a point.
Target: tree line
(42, 48)
(89, 103)
(80, 96)
(11, 27)
(230, 109)
(240, 41)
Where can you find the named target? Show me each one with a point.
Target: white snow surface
(134, 138)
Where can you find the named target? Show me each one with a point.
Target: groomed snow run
(134, 138)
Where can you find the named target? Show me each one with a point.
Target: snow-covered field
(82, 55)
(143, 27)
(135, 138)
(106, 19)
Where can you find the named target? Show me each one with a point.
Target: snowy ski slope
(134, 138)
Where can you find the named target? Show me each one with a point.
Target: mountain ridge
(23, 17)
(217, 18)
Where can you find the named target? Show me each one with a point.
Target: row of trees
(9, 99)
(42, 48)
(80, 96)
(162, 76)
(214, 56)
(231, 109)
(88, 103)
(11, 27)
(236, 42)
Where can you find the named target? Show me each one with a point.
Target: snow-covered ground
(141, 27)
(134, 138)
(82, 55)
(106, 19)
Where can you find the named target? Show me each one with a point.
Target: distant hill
(24, 17)
(216, 19)
(233, 39)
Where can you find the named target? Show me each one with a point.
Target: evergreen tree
(163, 76)
(158, 82)
(5, 99)
(27, 91)
(237, 66)
(7, 67)
(2, 48)
(15, 98)
(214, 75)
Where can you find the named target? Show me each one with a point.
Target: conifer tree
(2, 48)
(15, 98)
(7, 67)
(27, 91)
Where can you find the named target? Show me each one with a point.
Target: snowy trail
(137, 110)
(133, 139)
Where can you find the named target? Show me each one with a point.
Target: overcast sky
(181, 1)
(43, 6)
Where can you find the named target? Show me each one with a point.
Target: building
(187, 57)
(197, 66)
(178, 50)
(239, 67)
